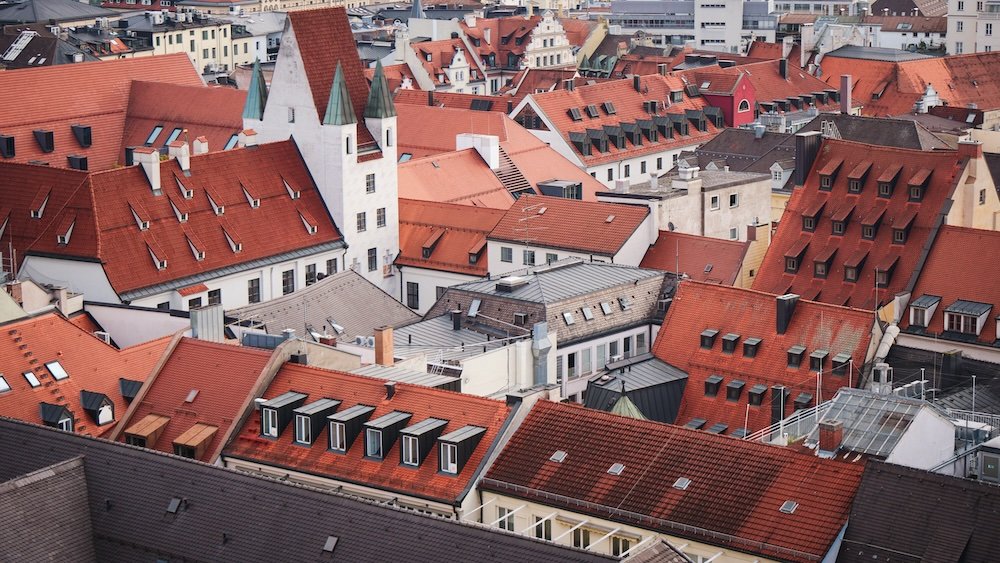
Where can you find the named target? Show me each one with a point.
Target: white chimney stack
(149, 159)
(180, 151)
(200, 145)
(248, 138)
(487, 145)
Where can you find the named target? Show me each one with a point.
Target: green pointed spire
(339, 110)
(379, 104)
(585, 63)
(256, 95)
(625, 407)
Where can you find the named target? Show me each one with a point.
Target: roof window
(82, 134)
(588, 313)
(729, 342)
(756, 394)
(45, 139)
(708, 338)
(750, 347)
(7, 146)
(174, 505)
(154, 134)
(625, 303)
(606, 307)
(418, 440)
(718, 428)
(330, 545)
(568, 317)
(734, 389)
(57, 371)
(609, 108)
(795, 356)
(817, 359)
(346, 425)
(695, 423)
(682, 483)
(457, 448)
(574, 114)
(4, 386)
(381, 433)
(712, 384)
(592, 111)
(789, 506)
(232, 141)
(616, 469)
(32, 379)
(559, 456)
(173, 136)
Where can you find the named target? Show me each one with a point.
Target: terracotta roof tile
(394, 75)
(30, 344)
(455, 177)
(441, 54)
(924, 217)
(220, 377)
(733, 499)
(420, 402)
(699, 258)
(458, 230)
(102, 94)
(751, 314)
(557, 223)
(453, 100)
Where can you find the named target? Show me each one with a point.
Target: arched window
(744, 106)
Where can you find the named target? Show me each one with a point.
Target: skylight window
(625, 303)
(682, 483)
(606, 307)
(588, 313)
(4, 387)
(330, 545)
(153, 135)
(568, 317)
(789, 506)
(191, 396)
(474, 308)
(175, 504)
(616, 469)
(559, 456)
(231, 142)
(57, 371)
(173, 136)
(32, 379)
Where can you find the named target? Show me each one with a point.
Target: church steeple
(339, 110)
(379, 104)
(256, 95)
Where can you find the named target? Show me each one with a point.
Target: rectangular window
(543, 528)
(581, 538)
(506, 518)
(204, 53)
(362, 222)
(380, 217)
(215, 297)
(372, 259)
(204, 35)
(919, 317)
(439, 292)
(602, 356)
(194, 303)
(413, 295)
(550, 257)
(192, 45)
(627, 171)
(642, 167)
(338, 437)
(331, 266)
(269, 424)
(370, 184)
(303, 429)
(640, 344)
(373, 442)
(620, 545)
(411, 451)
(449, 458)
(528, 257)
(506, 254)
(310, 274)
(287, 282)
(965, 324)
(611, 174)
(734, 200)
(714, 202)
(659, 163)
(253, 290)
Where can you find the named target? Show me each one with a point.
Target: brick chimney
(200, 145)
(180, 151)
(149, 159)
(831, 437)
(328, 340)
(383, 346)
(14, 289)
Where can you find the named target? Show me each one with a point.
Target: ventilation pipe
(456, 320)
(390, 390)
(540, 347)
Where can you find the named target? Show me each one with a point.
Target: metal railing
(793, 425)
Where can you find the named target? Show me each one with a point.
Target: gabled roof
(200, 383)
(32, 344)
(325, 41)
(734, 497)
(457, 231)
(460, 177)
(628, 108)
(345, 299)
(45, 11)
(894, 502)
(882, 253)
(102, 90)
(453, 100)
(557, 222)
(652, 386)
(394, 75)
(31, 46)
(699, 307)
(956, 270)
(766, 79)
(699, 258)
(441, 54)
(900, 133)
(388, 474)
(106, 229)
(140, 485)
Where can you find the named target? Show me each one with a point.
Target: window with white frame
(506, 254)
(506, 518)
(370, 184)
(65, 424)
(714, 202)
(303, 429)
(734, 200)
(581, 538)
(620, 545)
(411, 451)
(918, 316)
(269, 423)
(543, 528)
(373, 442)
(965, 324)
(338, 437)
(449, 458)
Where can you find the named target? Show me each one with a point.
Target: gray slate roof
(129, 490)
(405, 375)
(654, 386)
(346, 299)
(875, 54)
(41, 11)
(437, 338)
(561, 280)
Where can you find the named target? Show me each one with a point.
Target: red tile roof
(224, 377)
(699, 258)
(456, 230)
(324, 38)
(101, 94)
(925, 215)
(451, 100)
(531, 80)
(733, 500)
(752, 314)
(558, 223)
(106, 229)
(421, 402)
(628, 104)
(643, 64)
(394, 75)
(217, 115)
(767, 82)
(441, 54)
(455, 177)
(765, 50)
(955, 269)
(959, 80)
(30, 344)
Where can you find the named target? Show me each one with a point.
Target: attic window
(756, 395)
(606, 307)
(32, 379)
(45, 139)
(474, 308)
(677, 96)
(7, 146)
(4, 386)
(185, 192)
(559, 456)
(708, 338)
(712, 384)
(232, 141)
(729, 343)
(616, 469)
(682, 483)
(330, 545)
(154, 134)
(142, 223)
(218, 208)
(574, 114)
(734, 389)
(625, 303)
(254, 202)
(588, 314)
(795, 356)
(609, 108)
(592, 111)
(38, 206)
(788, 507)
(174, 506)
(173, 136)
(803, 401)
(292, 193)
(309, 223)
(841, 363)
(66, 231)
(568, 317)
(695, 423)
(198, 253)
(817, 359)
(750, 347)
(57, 371)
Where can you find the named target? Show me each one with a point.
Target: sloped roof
(336, 299)
(460, 177)
(736, 487)
(217, 114)
(926, 215)
(954, 270)
(698, 307)
(389, 474)
(628, 105)
(453, 100)
(457, 231)
(42, 49)
(140, 484)
(900, 132)
(324, 38)
(219, 376)
(394, 75)
(101, 99)
(766, 79)
(700, 258)
(557, 223)
(30, 344)
(44, 11)
(441, 54)
(106, 228)
(894, 505)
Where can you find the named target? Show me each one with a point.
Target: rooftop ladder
(511, 177)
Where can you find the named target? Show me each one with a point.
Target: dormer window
(269, 423)
(346, 425)
(309, 419)
(381, 433)
(38, 205)
(708, 338)
(840, 363)
(966, 317)
(193, 443)
(756, 395)
(218, 208)
(99, 406)
(734, 389)
(856, 178)
(417, 440)
(276, 413)
(883, 273)
(871, 222)
(729, 342)
(808, 224)
(56, 416)
(828, 174)
(750, 347)
(887, 181)
(922, 309)
(803, 401)
(145, 433)
(712, 384)
(795, 356)
(817, 359)
(839, 227)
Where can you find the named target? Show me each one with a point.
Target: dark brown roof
(906, 515)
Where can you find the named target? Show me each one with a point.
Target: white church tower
(346, 133)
